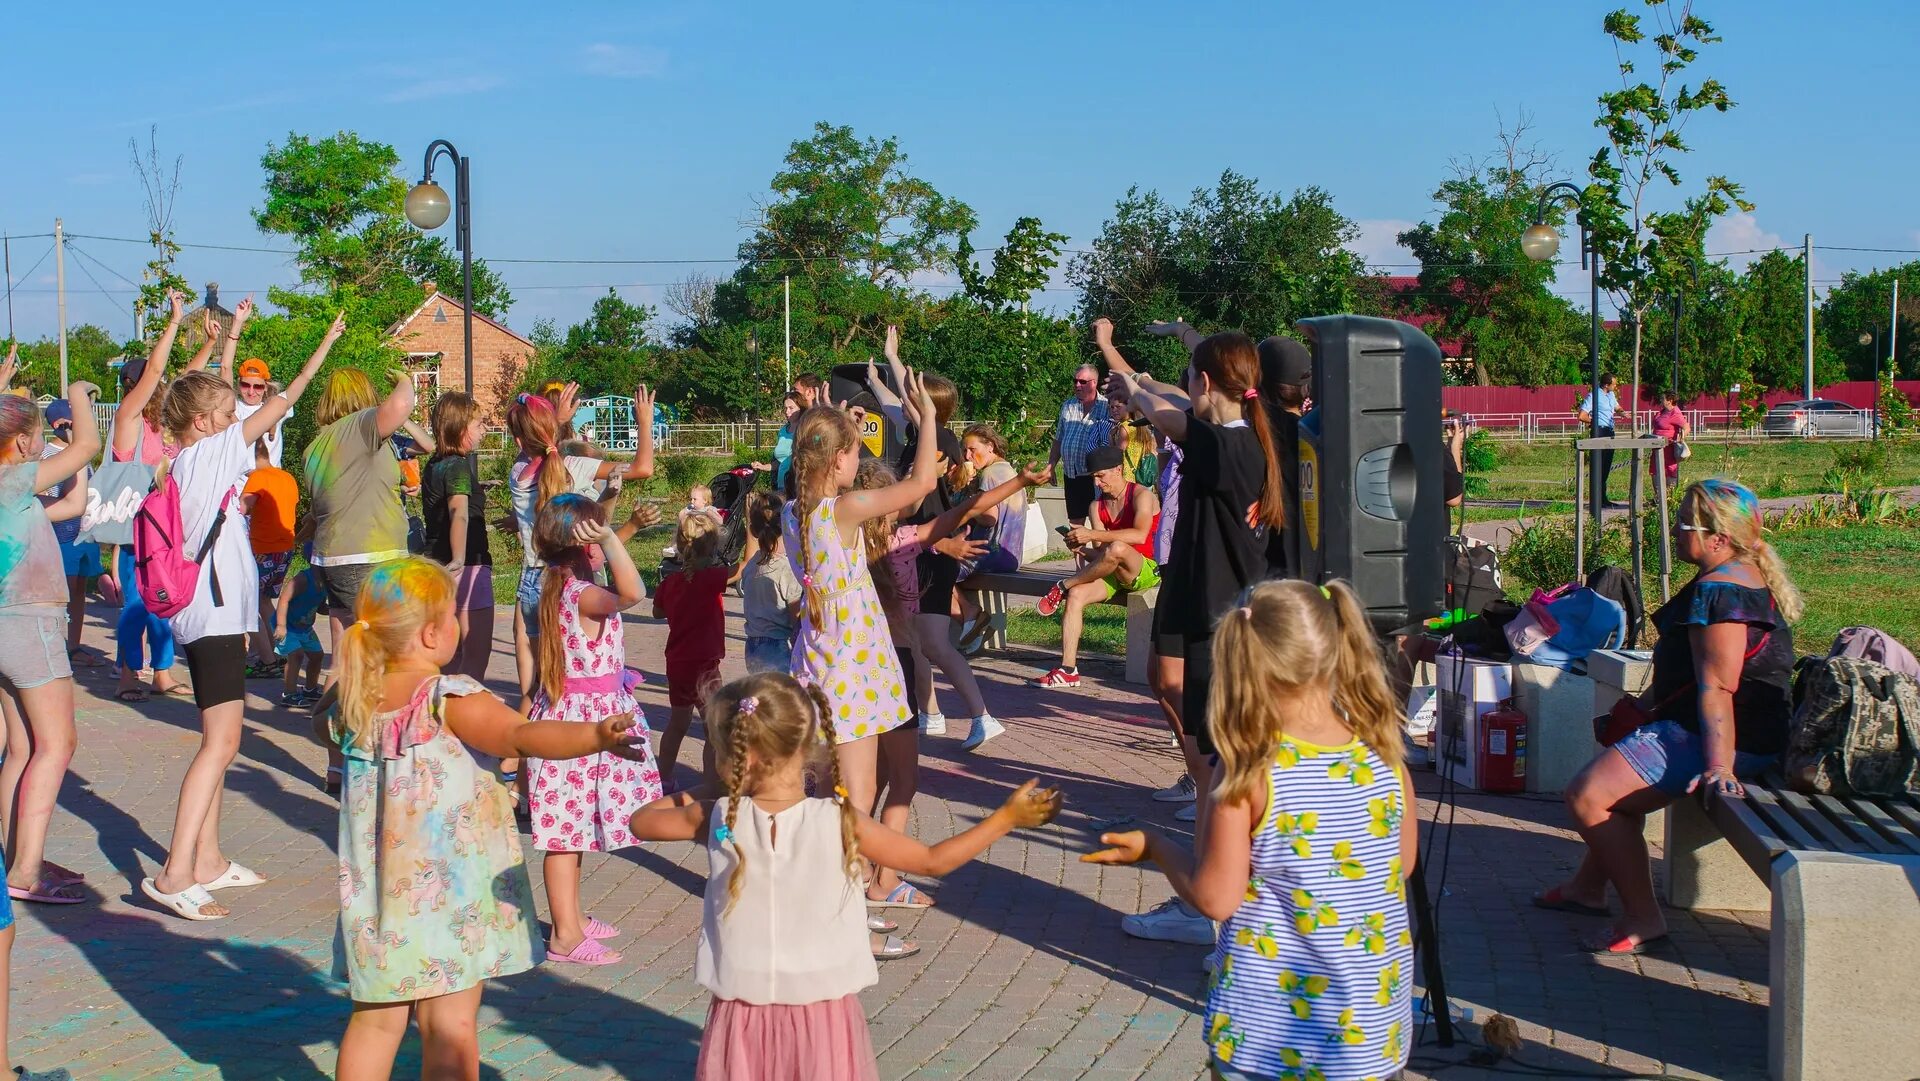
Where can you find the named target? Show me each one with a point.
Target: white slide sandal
(234, 877)
(186, 904)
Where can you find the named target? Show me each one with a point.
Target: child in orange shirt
(271, 496)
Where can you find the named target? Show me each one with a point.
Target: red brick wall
(494, 352)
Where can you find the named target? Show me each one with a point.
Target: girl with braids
(583, 806)
(782, 946)
(1306, 845)
(1230, 498)
(1718, 707)
(216, 454)
(434, 896)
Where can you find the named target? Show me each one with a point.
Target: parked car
(1816, 417)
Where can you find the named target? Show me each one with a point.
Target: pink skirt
(744, 1042)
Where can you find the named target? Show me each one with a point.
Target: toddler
(294, 640)
(770, 594)
(689, 599)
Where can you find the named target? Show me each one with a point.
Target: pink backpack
(166, 572)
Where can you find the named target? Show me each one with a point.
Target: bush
(1481, 453)
(1541, 553)
(679, 472)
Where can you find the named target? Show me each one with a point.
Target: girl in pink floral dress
(582, 805)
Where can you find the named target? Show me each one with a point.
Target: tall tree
(1862, 304)
(606, 353)
(1644, 249)
(159, 189)
(1772, 324)
(1234, 257)
(1020, 266)
(1489, 297)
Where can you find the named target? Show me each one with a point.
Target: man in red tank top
(1119, 554)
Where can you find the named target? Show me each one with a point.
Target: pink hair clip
(1249, 394)
(748, 704)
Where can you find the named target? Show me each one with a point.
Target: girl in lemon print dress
(1304, 847)
(844, 646)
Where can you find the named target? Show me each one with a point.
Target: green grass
(645, 547)
(1860, 575)
(1544, 470)
(1103, 631)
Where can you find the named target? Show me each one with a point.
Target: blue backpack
(1562, 627)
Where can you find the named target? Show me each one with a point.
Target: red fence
(1562, 399)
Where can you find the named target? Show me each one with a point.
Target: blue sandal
(903, 896)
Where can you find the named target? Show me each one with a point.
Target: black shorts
(1167, 642)
(937, 575)
(342, 584)
(1193, 704)
(218, 665)
(1079, 492)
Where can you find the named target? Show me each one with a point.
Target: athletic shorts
(36, 645)
(690, 687)
(299, 640)
(342, 584)
(273, 575)
(1148, 578)
(1193, 706)
(938, 574)
(1668, 757)
(473, 588)
(1167, 642)
(81, 559)
(218, 665)
(527, 596)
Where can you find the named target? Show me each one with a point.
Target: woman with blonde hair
(1716, 711)
(216, 452)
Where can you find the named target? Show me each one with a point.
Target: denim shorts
(36, 650)
(342, 583)
(1668, 757)
(81, 559)
(769, 654)
(527, 594)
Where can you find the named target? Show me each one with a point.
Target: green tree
(1773, 321)
(1488, 295)
(1233, 258)
(1645, 251)
(606, 353)
(1020, 266)
(1011, 366)
(89, 348)
(1861, 304)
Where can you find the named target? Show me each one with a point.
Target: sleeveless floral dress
(1313, 976)
(434, 894)
(844, 648)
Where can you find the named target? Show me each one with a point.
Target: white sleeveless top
(798, 934)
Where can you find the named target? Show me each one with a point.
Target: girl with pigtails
(434, 897)
(783, 944)
(1304, 852)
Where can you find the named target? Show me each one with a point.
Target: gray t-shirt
(768, 588)
(354, 481)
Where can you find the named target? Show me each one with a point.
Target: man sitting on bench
(1119, 556)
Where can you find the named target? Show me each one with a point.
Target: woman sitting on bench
(1715, 712)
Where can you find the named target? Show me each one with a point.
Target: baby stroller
(730, 491)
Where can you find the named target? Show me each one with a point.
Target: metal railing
(1839, 424)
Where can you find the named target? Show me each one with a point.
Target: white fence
(1529, 427)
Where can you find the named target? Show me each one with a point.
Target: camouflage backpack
(1855, 730)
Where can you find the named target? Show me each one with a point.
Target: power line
(96, 262)
(11, 288)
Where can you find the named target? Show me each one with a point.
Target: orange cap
(255, 367)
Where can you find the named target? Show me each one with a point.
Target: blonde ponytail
(397, 600)
(1360, 688)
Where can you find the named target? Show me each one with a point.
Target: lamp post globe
(428, 205)
(1540, 242)
(1866, 338)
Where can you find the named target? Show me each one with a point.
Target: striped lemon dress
(1313, 975)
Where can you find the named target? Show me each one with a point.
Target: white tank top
(798, 934)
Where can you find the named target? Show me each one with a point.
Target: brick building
(431, 337)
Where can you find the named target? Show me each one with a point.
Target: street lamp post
(427, 209)
(1541, 242)
(1871, 339)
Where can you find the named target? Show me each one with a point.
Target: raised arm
(1103, 339)
(1188, 336)
(276, 406)
(126, 434)
(642, 465)
(853, 508)
(627, 588)
(230, 341)
(980, 502)
(393, 413)
(210, 330)
(9, 366)
(1147, 397)
(1029, 805)
(81, 448)
(890, 403)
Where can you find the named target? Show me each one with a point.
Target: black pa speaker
(1371, 506)
(848, 383)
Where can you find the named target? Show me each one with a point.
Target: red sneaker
(1059, 679)
(1051, 603)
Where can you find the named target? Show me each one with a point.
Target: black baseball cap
(1107, 457)
(59, 410)
(1284, 362)
(132, 370)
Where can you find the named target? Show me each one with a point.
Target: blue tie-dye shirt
(30, 567)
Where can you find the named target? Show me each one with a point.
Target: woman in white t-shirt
(216, 451)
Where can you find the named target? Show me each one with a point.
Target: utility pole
(786, 290)
(1893, 329)
(60, 284)
(6, 251)
(1809, 335)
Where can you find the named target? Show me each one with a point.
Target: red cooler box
(1468, 689)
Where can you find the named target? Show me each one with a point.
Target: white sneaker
(1189, 813)
(984, 729)
(1170, 921)
(1180, 791)
(933, 724)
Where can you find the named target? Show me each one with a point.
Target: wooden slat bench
(1841, 878)
(992, 590)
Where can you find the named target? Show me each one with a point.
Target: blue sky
(647, 131)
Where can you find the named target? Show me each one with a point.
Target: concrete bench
(1841, 878)
(992, 590)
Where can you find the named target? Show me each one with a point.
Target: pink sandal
(597, 929)
(588, 952)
